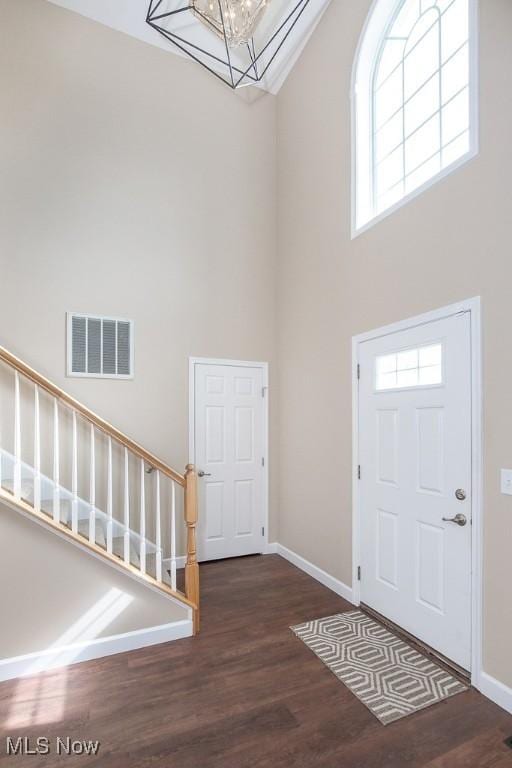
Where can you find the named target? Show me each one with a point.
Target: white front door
(229, 440)
(415, 484)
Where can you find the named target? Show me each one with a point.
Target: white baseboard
(317, 573)
(53, 658)
(498, 692)
(493, 689)
(181, 560)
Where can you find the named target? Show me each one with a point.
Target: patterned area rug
(386, 674)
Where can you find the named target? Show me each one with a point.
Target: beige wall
(54, 594)
(452, 243)
(134, 185)
(131, 185)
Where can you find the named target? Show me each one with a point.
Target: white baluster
(56, 462)
(173, 534)
(126, 508)
(142, 518)
(37, 452)
(74, 479)
(92, 491)
(158, 530)
(109, 497)
(17, 437)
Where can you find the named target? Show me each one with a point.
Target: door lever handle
(459, 519)
(204, 474)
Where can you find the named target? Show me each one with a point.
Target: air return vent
(99, 347)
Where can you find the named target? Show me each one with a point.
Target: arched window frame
(381, 17)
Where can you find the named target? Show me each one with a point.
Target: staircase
(69, 470)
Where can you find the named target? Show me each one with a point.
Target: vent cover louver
(100, 347)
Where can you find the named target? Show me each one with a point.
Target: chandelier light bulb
(236, 19)
(228, 38)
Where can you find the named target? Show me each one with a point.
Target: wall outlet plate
(506, 481)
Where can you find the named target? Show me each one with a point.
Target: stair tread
(66, 500)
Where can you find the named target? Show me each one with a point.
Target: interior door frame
(473, 306)
(193, 361)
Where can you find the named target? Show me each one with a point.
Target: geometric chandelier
(235, 40)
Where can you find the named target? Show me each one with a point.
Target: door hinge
(358, 471)
(358, 371)
(359, 573)
(262, 461)
(263, 530)
(263, 391)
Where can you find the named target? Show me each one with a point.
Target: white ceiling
(129, 16)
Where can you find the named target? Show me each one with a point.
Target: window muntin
(418, 367)
(420, 97)
(415, 100)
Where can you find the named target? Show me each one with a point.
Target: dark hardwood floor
(246, 693)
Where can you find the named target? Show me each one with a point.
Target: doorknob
(459, 519)
(204, 474)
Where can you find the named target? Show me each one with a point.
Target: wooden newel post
(192, 566)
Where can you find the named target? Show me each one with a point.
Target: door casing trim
(473, 306)
(193, 361)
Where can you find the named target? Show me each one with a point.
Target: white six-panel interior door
(229, 445)
(415, 495)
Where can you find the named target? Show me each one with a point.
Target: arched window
(414, 100)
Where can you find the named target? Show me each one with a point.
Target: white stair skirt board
(53, 658)
(66, 500)
(323, 577)
(11, 503)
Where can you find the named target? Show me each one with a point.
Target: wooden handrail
(92, 417)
